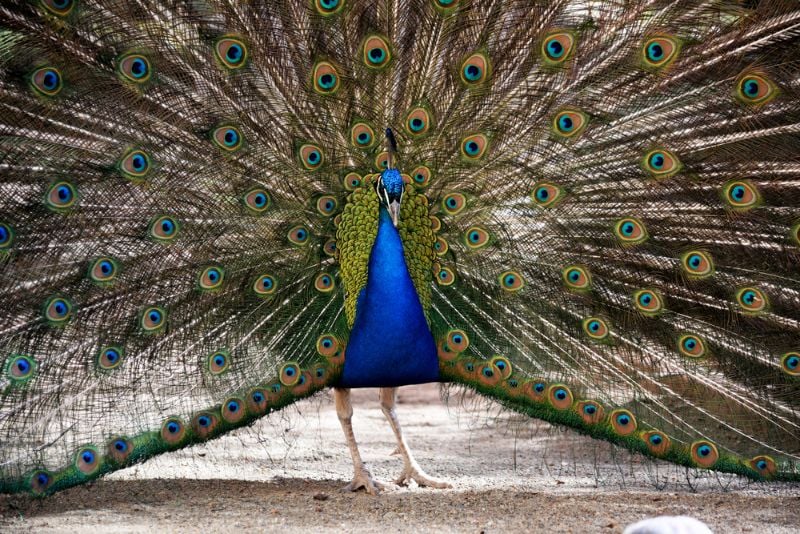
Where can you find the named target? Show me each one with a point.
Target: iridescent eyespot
(135, 164)
(474, 146)
(19, 369)
(204, 424)
(590, 411)
(445, 5)
(110, 358)
(740, 195)
(751, 300)
(657, 442)
(362, 136)
(324, 283)
(475, 69)
(257, 200)
(557, 47)
(691, 346)
(658, 52)
(421, 176)
(488, 374)
(648, 302)
(153, 319)
(211, 278)
(119, 449)
(233, 410)
(326, 80)
(352, 181)
(57, 310)
(47, 81)
(6, 236)
(790, 363)
(697, 264)
(623, 422)
(290, 374)
(546, 194)
(103, 270)
(376, 52)
(87, 460)
(445, 276)
(436, 223)
(172, 431)
(454, 203)
(755, 89)
(704, 453)
(218, 362)
(231, 52)
(61, 196)
(440, 246)
(329, 348)
(457, 341)
(228, 138)
(502, 364)
(61, 8)
(595, 328)
(265, 285)
(311, 156)
(630, 231)
(576, 277)
(569, 123)
(164, 228)
(135, 68)
(765, 465)
(40, 482)
(329, 248)
(511, 280)
(326, 205)
(661, 163)
(257, 402)
(560, 396)
(418, 122)
(382, 161)
(476, 237)
(298, 235)
(328, 7)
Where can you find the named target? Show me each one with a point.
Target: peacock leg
(411, 469)
(361, 475)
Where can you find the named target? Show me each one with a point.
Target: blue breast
(390, 343)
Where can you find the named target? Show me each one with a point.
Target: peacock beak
(394, 211)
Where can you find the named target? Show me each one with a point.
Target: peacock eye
(755, 89)
(19, 369)
(324, 283)
(697, 264)
(231, 52)
(362, 135)
(164, 228)
(475, 69)
(661, 163)
(570, 123)
(62, 8)
(218, 362)
(647, 301)
(57, 310)
(418, 122)
(623, 422)
(454, 203)
(211, 278)
(595, 328)
(557, 47)
(265, 285)
(326, 80)
(474, 147)
(326, 205)
(87, 460)
(376, 52)
(135, 164)
(446, 4)
(704, 453)
(658, 52)
(173, 431)
(6, 236)
(47, 81)
(311, 156)
(691, 346)
(61, 196)
(790, 362)
(740, 195)
(576, 277)
(476, 237)
(546, 194)
(559, 396)
(751, 299)
(153, 319)
(328, 7)
(109, 358)
(135, 68)
(445, 276)
(511, 281)
(290, 374)
(103, 270)
(298, 235)
(630, 231)
(228, 138)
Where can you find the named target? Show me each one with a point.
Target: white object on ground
(667, 524)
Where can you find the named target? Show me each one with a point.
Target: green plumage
(600, 217)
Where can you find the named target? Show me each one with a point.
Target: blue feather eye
(40, 482)
(474, 147)
(418, 122)
(324, 283)
(290, 374)
(697, 264)
(475, 69)
(228, 138)
(211, 278)
(755, 89)
(257, 200)
(57, 310)
(164, 228)
(595, 328)
(445, 5)
(576, 278)
(657, 442)
(569, 123)
(311, 156)
(661, 163)
(475, 238)
(790, 363)
(691, 346)
(134, 68)
(704, 453)
(6, 236)
(445, 276)
(454, 203)
(265, 285)
(298, 235)
(376, 52)
(103, 270)
(231, 52)
(630, 231)
(173, 431)
(751, 300)
(362, 135)
(559, 396)
(87, 460)
(590, 411)
(557, 47)
(61, 196)
(19, 369)
(328, 7)
(648, 302)
(46, 81)
(622, 422)
(153, 319)
(62, 8)
(326, 79)
(421, 176)
(135, 164)
(658, 52)
(740, 195)
(218, 362)
(110, 358)
(546, 194)
(511, 281)
(233, 410)
(119, 449)
(326, 205)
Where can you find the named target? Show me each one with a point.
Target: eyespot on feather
(445, 6)
(327, 8)
(691, 346)
(329, 248)
(135, 164)
(382, 161)
(764, 465)
(134, 68)
(331, 349)
(704, 453)
(421, 176)
(454, 203)
(352, 181)
(657, 442)
(536, 389)
(445, 276)
(47, 81)
(754, 89)
(211, 278)
(303, 385)
(418, 122)
(740, 195)
(570, 123)
(661, 163)
(164, 228)
(474, 147)
(559, 396)
(57, 310)
(119, 449)
(622, 422)
(265, 285)
(790, 363)
(290, 374)
(751, 300)
(326, 205)
(173, 431)
(61, 8)
(440, 246)
(218, 362)
(19, 368)
(257, 403)
(324, 283)
(362, 135)
(257, 200)
(475, 69)
(233, 410)
(204, 424)
(659, 52)
(110, 358)
(61, 196)
(6, 237)
(476, 238)
(557, 47)
(576, 278)
(228, 138)
(40, 482)
(377, 54)
(596, 328)
(511, 281)
(630, 231)
(488, 374)
(546, 194)
(298, 235)
(697, 264)
(153, 319)
(590, 411)
(231, 52)
(103, 270)
(503, 365)
(648, 302)
(326, 79)
(311, 156)
(88, 460)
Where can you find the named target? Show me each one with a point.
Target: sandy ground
(508, 474)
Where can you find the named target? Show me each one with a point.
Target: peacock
(586, 210)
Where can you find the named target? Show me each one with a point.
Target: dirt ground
(508, 474)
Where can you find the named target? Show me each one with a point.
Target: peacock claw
(421, 478)
(362, 478)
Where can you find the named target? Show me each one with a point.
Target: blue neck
(390, 343)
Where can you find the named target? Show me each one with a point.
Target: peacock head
(390, 192)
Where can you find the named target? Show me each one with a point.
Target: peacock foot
(421, 478)
(362, 478)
